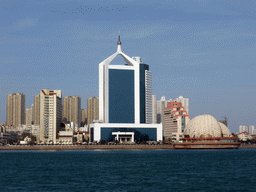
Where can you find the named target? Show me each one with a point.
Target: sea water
(128, 170)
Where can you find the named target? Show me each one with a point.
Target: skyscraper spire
(119, 44)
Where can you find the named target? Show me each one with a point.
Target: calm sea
(128, 170)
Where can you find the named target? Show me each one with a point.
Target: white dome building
(225, 131)
(206, 126)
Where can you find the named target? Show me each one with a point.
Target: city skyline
(201, 50)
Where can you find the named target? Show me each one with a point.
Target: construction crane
(225, 122)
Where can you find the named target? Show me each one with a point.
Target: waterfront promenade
(85, 147)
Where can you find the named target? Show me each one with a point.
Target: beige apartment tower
(15, 109)
(92, 109)
(50, 115)
(84, 117)
(67, 109)
(76, 111)
(72, 110)
(30, 115)
(36, 110)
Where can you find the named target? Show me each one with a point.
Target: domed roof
(203, 126)
(224, 129)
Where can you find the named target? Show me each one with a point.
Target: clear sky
(203, 50)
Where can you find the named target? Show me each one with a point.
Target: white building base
(108, 131)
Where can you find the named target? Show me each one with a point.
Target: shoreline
(93, 147)
(84, 147)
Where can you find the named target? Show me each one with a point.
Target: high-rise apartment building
(184, 102)
(161, 104)
(76, 111)
(15, 109)
(67, 109)
(84, 117)
(154, 109)
(175, 121)
(30, 115)
(33, 114)
(251, 129)
(92, 109)
(71, 111)
(148, 94)
(50, 115)
(240, 128)
(37, 110)
(243, 128)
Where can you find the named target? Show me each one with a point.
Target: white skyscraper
(125, 102)
(125, 91)
(251, 129)
(240, 128)
(154, 109)
(245, 128)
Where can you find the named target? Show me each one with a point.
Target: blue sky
(201, 49)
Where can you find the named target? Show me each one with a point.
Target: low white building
(244, 136)
(66, 137)
(125, 132)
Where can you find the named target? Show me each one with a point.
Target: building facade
(50, 115)
(154, 109)
(244, 136)
(125, 91)
(37, 110)
(67, 110)
(71, 111)
(15, 109)
(250, 129)
(125, 102)
(84, 117)
(76, 111)
(184, 102)
(92, 109)
(161, 104)
(30, 115)
(175, 121)
(243, 128)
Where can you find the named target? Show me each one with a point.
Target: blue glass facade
(143, 67)
(183, 123)
(121, 96)
(139, 133)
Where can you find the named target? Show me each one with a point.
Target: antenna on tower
(119, 41)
